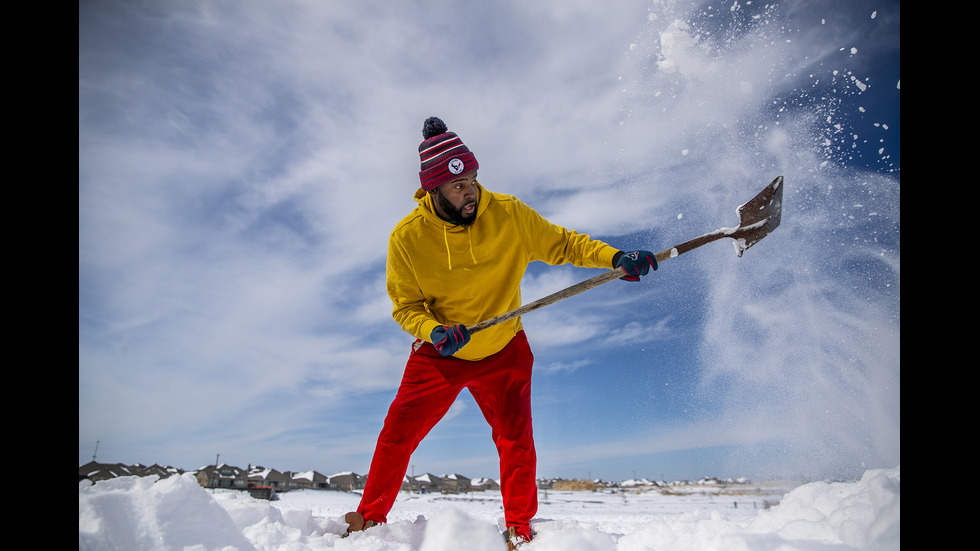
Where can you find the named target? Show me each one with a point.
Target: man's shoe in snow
(356, 523)
(514, 540)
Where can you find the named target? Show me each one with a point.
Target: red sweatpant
(501, 385)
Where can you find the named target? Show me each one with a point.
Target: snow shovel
(756, 219)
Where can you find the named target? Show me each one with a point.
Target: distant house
(308, 480)
(709, 481)
(155, 470)
(346, 481)
(455, 484)
(447, 484)
(222, 476)
(262, 476)
(640, 483)
(427, 482)
(103, 471)
(483, 484)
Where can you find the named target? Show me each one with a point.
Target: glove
(636, 264)
(448, 340)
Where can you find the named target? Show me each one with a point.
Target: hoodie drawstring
(449, 253)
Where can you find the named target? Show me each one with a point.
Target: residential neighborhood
(258, 477)
(265, 483)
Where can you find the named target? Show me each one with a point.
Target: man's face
(456, 200)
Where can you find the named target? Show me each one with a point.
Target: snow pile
(140, 513)
(175, 513)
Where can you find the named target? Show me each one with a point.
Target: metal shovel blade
(758, 217)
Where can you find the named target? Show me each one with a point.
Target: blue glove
(448, 340)
(636, 264)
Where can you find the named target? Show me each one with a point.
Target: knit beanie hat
(443, 155)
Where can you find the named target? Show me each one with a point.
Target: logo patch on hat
(456, 166)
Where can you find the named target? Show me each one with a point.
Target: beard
(455, 214)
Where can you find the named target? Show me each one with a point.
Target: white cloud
(241, 165)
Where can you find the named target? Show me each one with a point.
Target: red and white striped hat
(443, 155)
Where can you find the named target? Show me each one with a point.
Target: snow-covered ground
(133, 514)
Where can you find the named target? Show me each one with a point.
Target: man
(456, 260)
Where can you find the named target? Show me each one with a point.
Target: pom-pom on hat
(443, 155)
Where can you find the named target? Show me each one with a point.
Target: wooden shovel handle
(592, 283)
(552, 298)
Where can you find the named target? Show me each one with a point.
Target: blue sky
(242, 163)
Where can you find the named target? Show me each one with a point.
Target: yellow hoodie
(440, 273)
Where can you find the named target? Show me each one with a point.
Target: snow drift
(175, 513)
